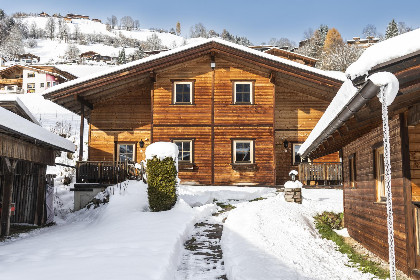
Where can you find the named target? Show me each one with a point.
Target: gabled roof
(51, 70)
(66, 94)
(15, 105)
(399, 55)
(16, 125)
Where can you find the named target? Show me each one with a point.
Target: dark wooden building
(237, 115)
(357, 132)
(25, 151)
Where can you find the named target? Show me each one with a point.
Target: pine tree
(391, 30)
(332, 40)
(178, 28)
(121, 57)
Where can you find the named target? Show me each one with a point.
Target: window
(243, 151)
(126, 152)
(42, 85)
(48, 84)
(296, 157)
(352, 170)
(183, 92)
(31, 87)
(380, 174)
(54, 83)
(185, 150)
(31, 75)
(243, 92)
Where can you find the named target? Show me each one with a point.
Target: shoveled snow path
(274, 239)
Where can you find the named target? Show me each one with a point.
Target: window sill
(244, 103)
(186, 166)
(183, 104)
(383, 203)
(244, 166)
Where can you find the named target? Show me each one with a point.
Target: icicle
(387, 164)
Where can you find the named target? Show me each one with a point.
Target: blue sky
(257, 20)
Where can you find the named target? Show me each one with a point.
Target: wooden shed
(25, 151)
(237, 115)
(357, 132)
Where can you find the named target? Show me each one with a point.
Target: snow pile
(343, 96)
(162, 150)
(200, 195)
(118, 240)
(389, 83)
(293, 185)
(273, 239)
(16, 123)
(385, 51)
(293, 172)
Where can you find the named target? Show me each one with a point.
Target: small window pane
(187, 146)
(242, 93)
(243, 152)
(129, 148)
(122, 148)
(186, 97)
(186, 156)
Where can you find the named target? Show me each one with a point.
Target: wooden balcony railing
(326, 173)
(103, 172)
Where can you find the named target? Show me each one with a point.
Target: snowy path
(202, 256)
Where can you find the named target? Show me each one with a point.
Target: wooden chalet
(237, 115)
(356, 131)
(25, 151)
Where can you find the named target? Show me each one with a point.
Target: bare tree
(137, 24)
(112, 21)
(198, 30)
(12, 45)
(50, 27)
(127, 22)
(403, 28)
(370, 31)
(282, 42)
(178, 28)
(72, 52)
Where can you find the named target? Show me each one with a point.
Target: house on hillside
(285, 53)
(237, 115)
(353, 125)
(363, 43)
(30, 79)
(25, 151)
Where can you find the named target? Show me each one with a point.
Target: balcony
(100, 172)
(323, 173)
(11, 90)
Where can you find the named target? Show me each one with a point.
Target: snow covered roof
(16, 124)
(385, 51)
(331, 75)
(83, 70)
(15, 98)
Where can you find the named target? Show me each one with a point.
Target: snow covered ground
(267, 239)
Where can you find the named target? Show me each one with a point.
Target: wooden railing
(326, 173)
(103, 172)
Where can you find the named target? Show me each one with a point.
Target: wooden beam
(9, 176)
(40, 205)
(83, 101)
(82, 128)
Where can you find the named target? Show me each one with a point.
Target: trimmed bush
(162, 183)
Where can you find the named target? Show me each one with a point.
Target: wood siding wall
(297, 113)
(221, 120)
(126, 118)
(18, 149)
(414, 147)
(364, 217)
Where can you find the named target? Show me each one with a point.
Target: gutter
(367, 92)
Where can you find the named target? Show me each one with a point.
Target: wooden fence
(323, 173)
(103, 172)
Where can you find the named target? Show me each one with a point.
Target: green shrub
(333, 220)
(162, 182)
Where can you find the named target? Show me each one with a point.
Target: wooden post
(82, 128)
(9, 176)
(40, 204)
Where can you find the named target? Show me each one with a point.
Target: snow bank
(385, 51)
(118, 240)
(343, 96)
(200, 195)
(389, 83)
(16, 123)
(273, 239)
(162, 150)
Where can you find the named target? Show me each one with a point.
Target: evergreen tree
(121, 57)
(391, 30)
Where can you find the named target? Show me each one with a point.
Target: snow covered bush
(162, 175)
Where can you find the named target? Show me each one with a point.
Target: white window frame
(181, 152)
(380, 182)
(251, 151)
(126, 144)
(251, 93)
(191, 91)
